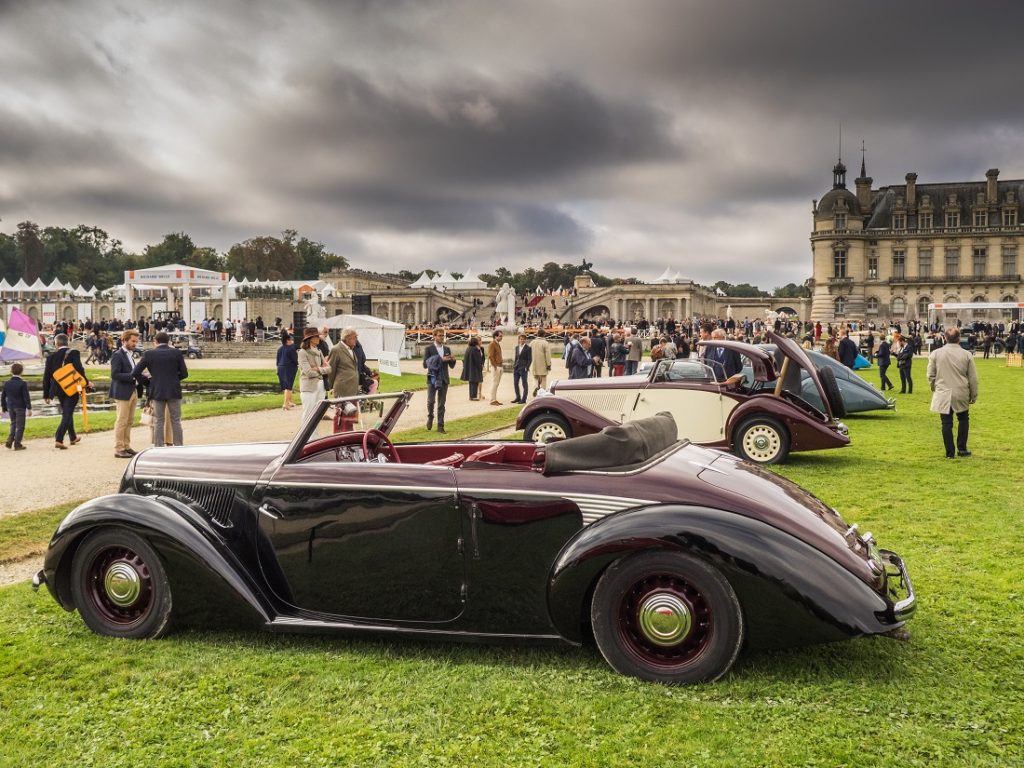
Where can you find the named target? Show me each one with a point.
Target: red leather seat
(495, 455)
(454, 460)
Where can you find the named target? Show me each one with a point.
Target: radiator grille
(212, 500)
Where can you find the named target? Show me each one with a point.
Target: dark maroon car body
(731, 415)
(483, 543)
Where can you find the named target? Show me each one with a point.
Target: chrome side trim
(291, 623)
(215, 480)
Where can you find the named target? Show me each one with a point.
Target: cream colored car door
(687, 389)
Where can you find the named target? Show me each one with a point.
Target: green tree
(792, 291)
(31, 251)
(10, 261)
(264, 258)
(314, 258)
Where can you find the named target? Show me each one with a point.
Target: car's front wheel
(667, 617)
(762, 441)
(547, 427)
(119, 585)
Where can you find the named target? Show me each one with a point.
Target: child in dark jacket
(14, 399)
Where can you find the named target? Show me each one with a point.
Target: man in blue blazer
(60, 357)
(165, 367)
(125, 390)
(437, 359)
(724, 362)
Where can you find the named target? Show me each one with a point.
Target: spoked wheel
(762, 441)
(667, 617)
(547, 427)
(120, 586)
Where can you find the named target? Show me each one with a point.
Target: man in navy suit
(124, 391)
(15, 400)
(724, 362)
(58, 359)
(165, 367)
(521, 365)
(847, 350)
(437, 359)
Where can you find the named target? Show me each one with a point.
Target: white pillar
(128, 295)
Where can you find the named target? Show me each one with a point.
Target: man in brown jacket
(495, 359)
(344, 375)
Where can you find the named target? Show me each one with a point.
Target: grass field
(953, 695)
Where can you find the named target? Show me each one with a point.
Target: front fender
(174, 529)
(806, 434)
(582, 420)
(790, 593)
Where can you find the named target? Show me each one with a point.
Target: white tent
(421, 282)
(677, 277)
(55, 286)
(38, 285)
(666, 276)
(21, 285)
(4, 285)
(375, 335)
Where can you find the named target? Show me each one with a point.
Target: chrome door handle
(269, 511)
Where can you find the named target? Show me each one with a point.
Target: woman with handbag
(312, 369)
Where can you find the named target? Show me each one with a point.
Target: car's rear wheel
(832, 392)
(762, 440)
(667, 617)
(547, 427)
(119, 585)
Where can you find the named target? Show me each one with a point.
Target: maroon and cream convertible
(672, 556)
(762, 419)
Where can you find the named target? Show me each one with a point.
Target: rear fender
(183, 538)
(582, 420)
(791, 593)
(806, 434)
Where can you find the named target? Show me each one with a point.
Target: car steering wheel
(384, 446)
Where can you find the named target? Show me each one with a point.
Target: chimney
(911, 190)
(991, 195)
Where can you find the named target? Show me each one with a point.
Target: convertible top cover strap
(620, 445)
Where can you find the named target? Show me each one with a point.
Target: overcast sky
(473, 135)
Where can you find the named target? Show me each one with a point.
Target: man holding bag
(64, 378)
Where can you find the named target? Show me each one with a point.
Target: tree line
(89, 256)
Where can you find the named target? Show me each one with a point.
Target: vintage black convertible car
(671, 555)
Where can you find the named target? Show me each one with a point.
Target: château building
(885, 254)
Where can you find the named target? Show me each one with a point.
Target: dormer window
(981, 218)
(952, 219)
(899, 221)
(925, 220)
(1009, 217)
(840, 221)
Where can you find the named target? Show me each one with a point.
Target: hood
(798, 361)
(236, 462)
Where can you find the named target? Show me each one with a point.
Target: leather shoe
(9, 444)
(122, 455)
(76, 441)
(130, 451)
(495, 402)
(963, 453)
(61, 446)
(442, 430)
(19, 447)
(430, 422)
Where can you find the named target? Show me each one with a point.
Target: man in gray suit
(954, 383)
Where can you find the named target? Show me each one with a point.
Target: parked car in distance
(762, 418)
(672, 556)
(858, 395)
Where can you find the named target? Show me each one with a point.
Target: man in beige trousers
(954, 382)
(124, 391)
(495, 359)
(541, 364)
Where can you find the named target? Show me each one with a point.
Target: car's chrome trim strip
(290, 623)
(183, 479)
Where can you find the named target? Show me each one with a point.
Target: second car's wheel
(667, 617)
(119, 585)
(547, 427)
(762, 441)
(832, 391)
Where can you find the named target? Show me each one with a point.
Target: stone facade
(885, 254)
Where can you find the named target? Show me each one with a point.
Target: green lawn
(953, 696)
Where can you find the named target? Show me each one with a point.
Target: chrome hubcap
(122, 584)
(664, 618)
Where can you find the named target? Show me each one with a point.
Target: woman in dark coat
(287, 367)
(473, 367)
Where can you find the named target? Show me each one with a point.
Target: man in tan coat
(541, 365)
(954, 383)
(495, 359)
(344, 375)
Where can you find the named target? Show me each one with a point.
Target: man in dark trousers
(125, 391)
(884, 358)
(521, 364)
(437, 359)
(598, 351)
(60, 357)
(847, 350)
(16, 401)
(165, 367)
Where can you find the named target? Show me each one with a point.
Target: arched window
(899, 306)
(922, 307)
(872, 305)
(978, 314)
(839, 311)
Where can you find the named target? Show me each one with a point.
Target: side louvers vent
(213, 501)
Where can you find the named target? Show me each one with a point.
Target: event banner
(388, 363)
(238, 310)
(49, 315)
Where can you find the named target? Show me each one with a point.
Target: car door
(687, 389)
(363, 540)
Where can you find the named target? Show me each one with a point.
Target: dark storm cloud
(642, 134)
